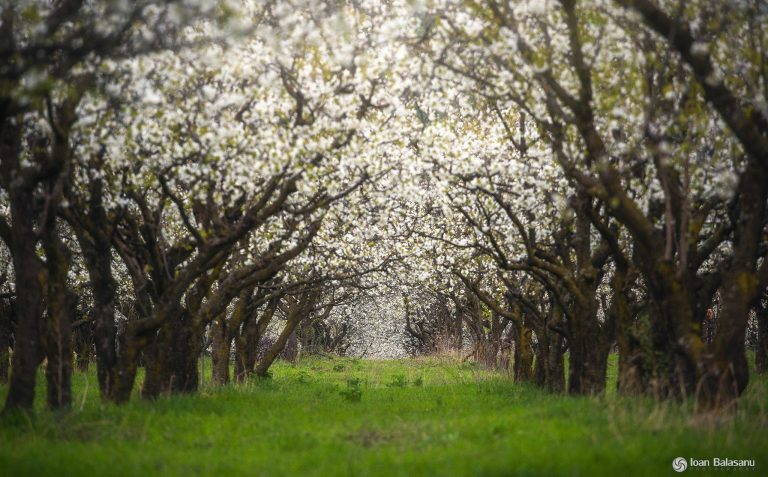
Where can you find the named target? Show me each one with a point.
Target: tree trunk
(541, 361)
(761, 353)
(588, 356)
(290, 351)
(185, 377)
(676, 346)
(83, 341)
(58, 336)
(171, 336)
(727, 376)
(94, 233)
(549, 369)
(6, 310)
(123, 375)
(523, 363)
(247, 344)
(98, 260)
(221, 344)
(295, 315)
(632, 375)
(29, 276)
(172, 360)
(587, 340)
(555, 380)
(225, 331)
(155, 365)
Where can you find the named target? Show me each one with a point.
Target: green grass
(331, 417)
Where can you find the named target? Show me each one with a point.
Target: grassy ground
(331, 417)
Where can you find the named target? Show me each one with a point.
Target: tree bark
(221, 344)
(93, 230)
(555, 377)
(588, 350)
(290, 351)
(761, 353)
(549, 367)
(123, 377)
(225, 331)
(247, 343)
(541, 362)
(97, 255)
(274, 351)
(58, 333)
(29, 276)
(172, 360)
(6, 311)
(727, 377)
(297, 311)
(523, 363)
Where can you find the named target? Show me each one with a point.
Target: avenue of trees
(515, 181)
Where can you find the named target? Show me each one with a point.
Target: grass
(335, 417)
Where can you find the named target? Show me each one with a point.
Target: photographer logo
(679, 464)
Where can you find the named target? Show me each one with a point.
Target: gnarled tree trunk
(549, 368)
(298, 310)
(274, 351)
(172, 361)
(588, 351)
(221, 344)
(58, 331)
(727, 376)
(29, 276)
(247, 343)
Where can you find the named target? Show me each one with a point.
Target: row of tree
(627, 204)
(173, 180)
(527, 178)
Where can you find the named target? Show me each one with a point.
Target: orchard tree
(50, 54)
(641, 152)
(229, 159)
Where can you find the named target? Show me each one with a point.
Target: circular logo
(679, 464)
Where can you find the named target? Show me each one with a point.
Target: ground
(335, 417)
